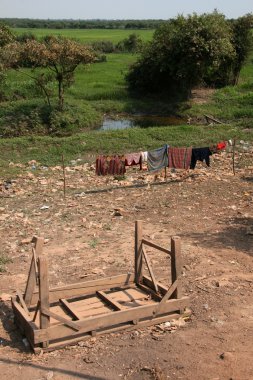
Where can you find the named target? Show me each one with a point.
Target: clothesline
(157, 159)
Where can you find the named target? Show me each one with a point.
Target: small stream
(141, 121)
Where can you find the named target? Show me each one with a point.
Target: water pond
(141, 121)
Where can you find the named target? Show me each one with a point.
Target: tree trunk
(60, 94)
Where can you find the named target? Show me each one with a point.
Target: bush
(183, 52)
(103, 46)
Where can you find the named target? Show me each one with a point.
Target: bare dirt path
(212, 211)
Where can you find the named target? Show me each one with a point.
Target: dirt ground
(92, 235)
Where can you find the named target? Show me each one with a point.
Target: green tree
(56, 56)
(242, 41)
(182, 52)
(6, 37)
(132, 44)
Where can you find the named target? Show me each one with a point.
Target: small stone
(49, 375)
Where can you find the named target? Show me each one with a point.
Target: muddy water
(141, 121)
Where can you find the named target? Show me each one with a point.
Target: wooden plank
(129, 295)
(176, 264)
(36, 311)
(22, 302)
(138, 252)
(137, 303)
(44, 294)
(88, 287)
(106, 298)
(148, 282)
(150, 269)
(61, 319)
(31, 281)
(70, 308)
(153, 245)
(167, 296)
(127, 327)
(94, 312)
(81, 305)
(23, 321)
(57, 310)
(114, 318)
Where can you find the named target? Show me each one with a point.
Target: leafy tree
(6, 37)
(182, 52)
(242, 41)
(55, 55)
(131, 44)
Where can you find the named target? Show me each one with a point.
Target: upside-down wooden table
(54, 318)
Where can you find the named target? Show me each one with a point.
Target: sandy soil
(210, 209)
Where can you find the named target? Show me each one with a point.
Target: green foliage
(103, 46)
(242, 41)
(132, 44)
(6, 36)
(3, 261)
(27, 118)
(56, 55)
(182, 53)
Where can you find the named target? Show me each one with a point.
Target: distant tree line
(80, 24)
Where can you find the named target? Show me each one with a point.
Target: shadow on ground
(62, 371)
(237, 234)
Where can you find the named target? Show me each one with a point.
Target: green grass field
(100, 89)
(88, 35)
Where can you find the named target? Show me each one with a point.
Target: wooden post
(64, 176)
(31, 281)
(138, 251)
(176, 264)
(43, 295)
(233, 156)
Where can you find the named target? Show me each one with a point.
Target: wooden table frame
(151, 302)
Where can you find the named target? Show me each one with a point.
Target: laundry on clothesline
(158, 158)
(179, 158)
(200, 154)
(132, 159)
(144, 156)
(113, 165)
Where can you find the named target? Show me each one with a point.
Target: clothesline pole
(64, 176)
(233, 156)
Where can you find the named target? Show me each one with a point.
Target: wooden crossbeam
(22, 302)
(72, 325)
(36, 311)
(70, 308)
(149, 268)
(156, 246)
(107, 299)
(169, 293)
(33, 272)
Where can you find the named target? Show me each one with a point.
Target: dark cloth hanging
(114, 165)
(179, 158)
(158, 158)
(200, 154)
